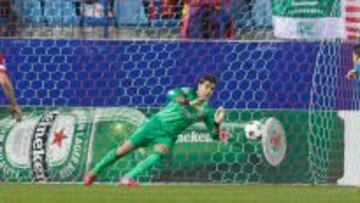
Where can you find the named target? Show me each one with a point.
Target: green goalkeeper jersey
(176, 117)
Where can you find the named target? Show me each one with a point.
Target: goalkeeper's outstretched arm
(213, 122)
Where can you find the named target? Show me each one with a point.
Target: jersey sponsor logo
(197, 115)
(187, 113)
(187, 90)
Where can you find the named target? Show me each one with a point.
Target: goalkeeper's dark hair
(356, 50)
(210, 78)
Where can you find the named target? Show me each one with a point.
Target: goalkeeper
(355, 71)
(186, 107)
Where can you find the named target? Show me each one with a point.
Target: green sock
(107, 160)
(144, 165)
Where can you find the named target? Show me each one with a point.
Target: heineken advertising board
(54, 144)
(61, 144)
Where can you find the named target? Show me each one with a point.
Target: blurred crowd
(195, 18)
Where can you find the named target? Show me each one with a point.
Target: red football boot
(128, 182)
(89, 179)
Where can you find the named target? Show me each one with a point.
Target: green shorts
(150, 134)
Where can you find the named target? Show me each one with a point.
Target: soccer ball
(253, 130)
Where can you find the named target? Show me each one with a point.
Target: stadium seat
(251, 13)
(262, 13)
(130, 13)
(60, 13)
(165, 23)
(240, 11)
(30, 12)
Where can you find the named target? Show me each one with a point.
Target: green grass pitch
(68, 193)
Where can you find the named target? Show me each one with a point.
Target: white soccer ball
(253, 130)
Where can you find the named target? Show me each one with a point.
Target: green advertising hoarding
(61, 144)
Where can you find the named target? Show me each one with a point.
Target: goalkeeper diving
(186, 106)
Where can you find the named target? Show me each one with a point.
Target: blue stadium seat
(30, 11)
(60, 13)
(165, 23)
(240, 11)
(251, 13)
(262, 14)
(130, 13)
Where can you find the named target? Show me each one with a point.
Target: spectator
(171, 9)
(163, 9)
(207, 19)
(96, 8)
(8, 19)
(96, 12)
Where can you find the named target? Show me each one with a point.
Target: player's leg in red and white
(8, 88)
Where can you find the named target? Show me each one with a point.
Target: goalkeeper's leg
(142, 137)
(107, 160)
(153, 159)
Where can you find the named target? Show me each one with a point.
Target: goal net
(84, 97)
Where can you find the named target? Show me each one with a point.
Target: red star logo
(59, 137)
